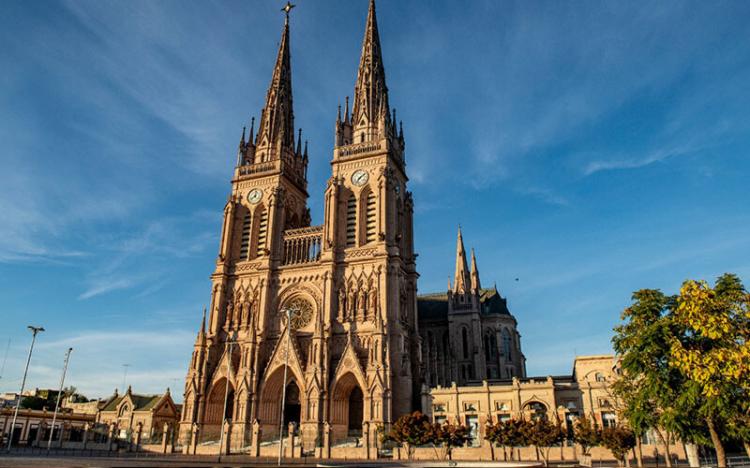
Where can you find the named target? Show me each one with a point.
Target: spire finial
(305, 156)
(287, 8)
(346, 111)
(299, 142)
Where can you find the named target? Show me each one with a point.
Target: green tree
(446, 436)
(648, 390)
(619, 440)
(543, 434)
(411, 431)
(587, 434)
(498, 435)
(714, 353)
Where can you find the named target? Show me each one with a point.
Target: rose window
(302, 312)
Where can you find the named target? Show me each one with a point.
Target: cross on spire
(287, 8)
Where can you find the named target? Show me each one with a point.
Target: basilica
(327, 318)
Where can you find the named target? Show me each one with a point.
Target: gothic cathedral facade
(352, 348)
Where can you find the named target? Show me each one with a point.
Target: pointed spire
(475, 285)
(305, 154)
(346, 112)
(241, 149)
(338, 116)
(370, 92)
(299, 143)
(462, 278)
(252, 129)
(276, 129)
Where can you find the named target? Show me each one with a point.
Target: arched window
(245, 238)
(351, 221)
(262, 232)
(465, 342)
(506, 344)
(371, 218)
(600, 377)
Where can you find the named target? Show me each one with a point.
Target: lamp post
(288, 311)
(34, 331)
(230, 342)
(59, 394)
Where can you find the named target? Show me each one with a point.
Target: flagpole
(230, 343)
(59, 394)
(283, 389)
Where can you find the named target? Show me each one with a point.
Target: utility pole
(124, 375)
(5, 359)
(59, 394)
(34, 331)
(288, 311)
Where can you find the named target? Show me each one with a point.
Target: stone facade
(352, 346)
(141, 419)
(468, 334)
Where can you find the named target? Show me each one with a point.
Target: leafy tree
(447, 436)
(587, 434)
(497, 435)
(543, 434)
(411, 431)
(714, 353)
(648, 390)
(33, 402)
(619, 440)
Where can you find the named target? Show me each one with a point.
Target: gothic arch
(214, 412)
(269, 409)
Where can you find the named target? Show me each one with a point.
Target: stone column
(324, 451)
(195, 432)
(367, 441)
(289, 451)
(111, 436)
(227, 432)
(164, 437)
(137, 439)
(39, 434)
(86, 429)
(255, 442)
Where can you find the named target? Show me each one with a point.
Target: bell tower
(368, 229)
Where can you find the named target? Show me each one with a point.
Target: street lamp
(230, 343)
(289, 312)
(59, 394)
(34, 331)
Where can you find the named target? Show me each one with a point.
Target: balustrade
(302, 245)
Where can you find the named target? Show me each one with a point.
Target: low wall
(531, 454)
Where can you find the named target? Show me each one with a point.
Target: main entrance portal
(355, 412)
(292, 408)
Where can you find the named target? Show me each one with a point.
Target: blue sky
(588, 149)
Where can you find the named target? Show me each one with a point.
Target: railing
(359, 148)
(258, 167)
(302, 245)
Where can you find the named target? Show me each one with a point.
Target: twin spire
(370, 118)
(465, 281)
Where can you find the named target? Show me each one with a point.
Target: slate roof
(140, 402)
(435, 306)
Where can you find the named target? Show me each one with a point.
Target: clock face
(360, 177)
(254, 196)
(302, 312)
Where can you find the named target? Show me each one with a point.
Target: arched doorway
(292, 407)
(347, 407)
(356, 410)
